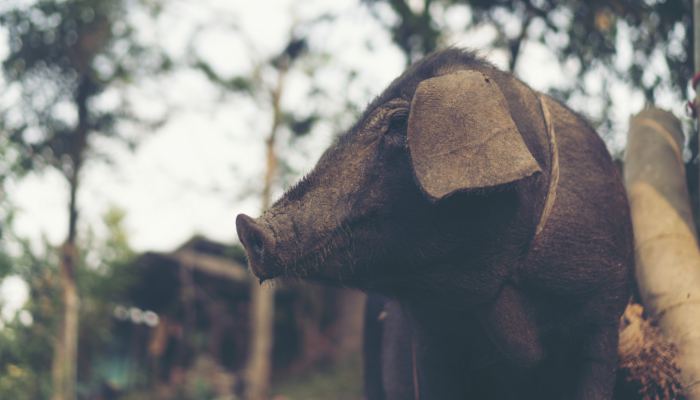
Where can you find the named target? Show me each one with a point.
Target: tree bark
(64, 365)
(262, 299)
(65, 357)
(262, 304)
(65, 360)
(667, 255)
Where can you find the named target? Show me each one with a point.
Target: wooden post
(667, 255)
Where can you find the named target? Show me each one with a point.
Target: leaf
(300, 126)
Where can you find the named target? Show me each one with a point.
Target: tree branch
(515, 45)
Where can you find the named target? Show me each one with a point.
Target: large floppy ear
(461, 136)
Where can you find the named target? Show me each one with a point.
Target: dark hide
(433, 200)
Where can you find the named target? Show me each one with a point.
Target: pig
(489, 225)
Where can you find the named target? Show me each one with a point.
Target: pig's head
(402, 190)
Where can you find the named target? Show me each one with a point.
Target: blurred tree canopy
(265, 85)
(63, 57)
(585, 36)
(267, 95)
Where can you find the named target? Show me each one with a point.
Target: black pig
(489, 215)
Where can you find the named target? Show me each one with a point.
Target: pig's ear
(461, 136)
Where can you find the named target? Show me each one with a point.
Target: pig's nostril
(253, 237)
(256, 245)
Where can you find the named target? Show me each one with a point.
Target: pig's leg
(372, 346)
(396, 360)
(510, 324)
(596, 379)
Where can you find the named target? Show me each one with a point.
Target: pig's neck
(457, 287)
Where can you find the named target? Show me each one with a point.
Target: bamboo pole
(696, 43)
(667, 255)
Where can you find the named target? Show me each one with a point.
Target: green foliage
(342, 381)
(25, 349)
(19, 382)
(265, 85)
(5, 264)
(104, 276)
(300, 125)
(414, 31)
(236, 83)
(8, 170)
(62, 55)
(116, 249)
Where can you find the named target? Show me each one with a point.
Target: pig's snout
(258, 244)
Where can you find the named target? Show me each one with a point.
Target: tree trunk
(64, 365)
(262, 298)
(667, 255)
(262, 303)
(65, 357)
(65, 360)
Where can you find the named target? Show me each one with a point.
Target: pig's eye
(397, 122)
(394, 132)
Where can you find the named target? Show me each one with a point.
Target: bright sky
(192, 174)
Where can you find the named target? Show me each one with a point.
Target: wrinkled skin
(473, 303)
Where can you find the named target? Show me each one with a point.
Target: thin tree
(259, 365)
(63, 55)
(263, 297)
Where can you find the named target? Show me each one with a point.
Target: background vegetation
(86, 82)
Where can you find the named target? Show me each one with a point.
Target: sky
(195, 173)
